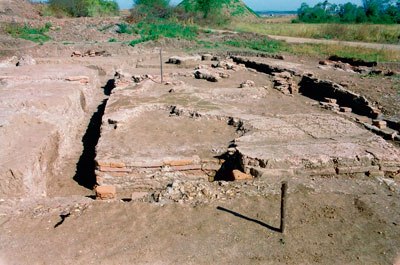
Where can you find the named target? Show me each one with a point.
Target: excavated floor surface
(187, 125)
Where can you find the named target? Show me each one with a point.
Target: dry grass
(279, 19)
(366, 54)
(346, 32)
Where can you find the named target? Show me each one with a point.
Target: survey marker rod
(283, 206)
(162, 81)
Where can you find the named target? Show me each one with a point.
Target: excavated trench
(85, 168)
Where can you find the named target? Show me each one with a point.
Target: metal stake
(161, 67)
(283, 206)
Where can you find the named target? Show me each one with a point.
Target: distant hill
(234, 8)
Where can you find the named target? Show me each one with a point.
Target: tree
(152, 9)
(375, 11)
(209, 6)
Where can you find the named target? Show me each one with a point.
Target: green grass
(33, 34)
(154, 31)
(112, 40)
(269, 46)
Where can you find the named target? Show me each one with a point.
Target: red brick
(330, 100)
(345, 109)
(117, 164)
(379, 124)
(212, 167)
(356, 169)
(111, 169)
(184, 168)
(103, 163)
(239, 175)
(376, 113)
(183, 162)
(138, 195)
(99, 173)
(99, 179)
(363, 119)
(117, 174)
(105, 192)
(146, 164)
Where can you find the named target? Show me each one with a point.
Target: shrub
(125, 29)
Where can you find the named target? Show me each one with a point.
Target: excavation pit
(155, 134)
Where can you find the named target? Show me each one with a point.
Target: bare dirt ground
(57, 117)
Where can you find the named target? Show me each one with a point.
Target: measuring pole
(283, 206)
(162, 81)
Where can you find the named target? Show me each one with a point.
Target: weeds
(155, 31)
(33, 34)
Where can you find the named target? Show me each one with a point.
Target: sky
(261, 5)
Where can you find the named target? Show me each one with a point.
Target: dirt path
(347, 43)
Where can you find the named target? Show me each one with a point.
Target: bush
(150, 31)
(28, 33)
(85, 8)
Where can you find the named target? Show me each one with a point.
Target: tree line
(371, 11)
(143, 9)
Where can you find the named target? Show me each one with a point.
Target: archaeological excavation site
(169, 153)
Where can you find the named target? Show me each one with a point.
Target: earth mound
(235, 9)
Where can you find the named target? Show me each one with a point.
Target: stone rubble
(26, 60)
(285, 83)
(184, 60)
(247, 83)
